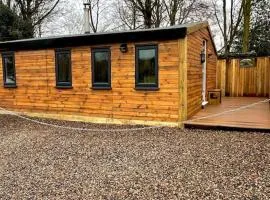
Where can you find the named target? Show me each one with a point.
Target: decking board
(255, 117)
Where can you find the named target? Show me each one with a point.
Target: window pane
(101, 67)
(9, 70)
(147, 66)
(63, 61)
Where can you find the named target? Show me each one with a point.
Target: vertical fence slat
(221, 76)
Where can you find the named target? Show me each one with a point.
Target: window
(9, 74)
(248, 62)
(101, 68)
(63, 68)
(147, 67)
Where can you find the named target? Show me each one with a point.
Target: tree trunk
(226, 50)
(173, 12)
(134, 20)
(147, 14)
(246, 28)
(158, 14)
(9, 3)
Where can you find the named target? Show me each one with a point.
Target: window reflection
(63, 68)
(9, 70)
(146, 66)
(101, 68)
(147, 62)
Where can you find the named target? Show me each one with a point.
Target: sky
(71, 20)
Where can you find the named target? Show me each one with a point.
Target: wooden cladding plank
(182, 80)
(221, 76)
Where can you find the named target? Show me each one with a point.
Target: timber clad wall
(194, 69)
(179, 77)
(36, 92)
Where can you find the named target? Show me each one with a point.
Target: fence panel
(236, 81)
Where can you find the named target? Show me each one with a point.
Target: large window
(9, 74)
(147, 67)
(63, 68)
(101, 68)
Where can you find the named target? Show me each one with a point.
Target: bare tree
(97, 10)
(229, 22)
(33, 12)
(149, 10)
(133, 15)
(128, 15)
(157, 13)
(68, 21)
(225, 26)
(172, 8)
(36, 11)
(178, 10)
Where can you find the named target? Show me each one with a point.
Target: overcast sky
(71, 20)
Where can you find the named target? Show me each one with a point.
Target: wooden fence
(237, 81)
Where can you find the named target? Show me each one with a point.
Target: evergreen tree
(260, 28)
(259, 40)
(11, 25)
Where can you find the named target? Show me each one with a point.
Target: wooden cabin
(154, 77)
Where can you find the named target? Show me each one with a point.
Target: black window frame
(146, 86)
(62, 84)
(4, 55)
(98, 85)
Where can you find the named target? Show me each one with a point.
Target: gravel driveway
(38, 162)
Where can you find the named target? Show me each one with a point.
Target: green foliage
(259, 41)
(12, 26)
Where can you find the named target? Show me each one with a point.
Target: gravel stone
(41, 162)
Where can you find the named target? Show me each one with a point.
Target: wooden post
(221, 75)
(182, 46)
(268, 64)
(233, 93)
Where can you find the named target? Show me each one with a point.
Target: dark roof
(155, 34)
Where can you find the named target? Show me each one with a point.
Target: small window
(9, 74)
(101, 68)
(248, 62)
(147, 67)
(63, 68)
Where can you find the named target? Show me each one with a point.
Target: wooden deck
(256, 117)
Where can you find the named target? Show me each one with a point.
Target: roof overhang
(143, 35)
(96, 39)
